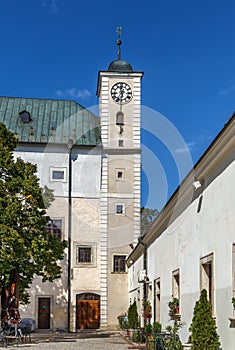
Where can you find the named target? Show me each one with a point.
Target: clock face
(121, 92)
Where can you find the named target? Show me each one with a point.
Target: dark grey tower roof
(120, 66)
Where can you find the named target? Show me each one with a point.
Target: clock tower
(119, 92)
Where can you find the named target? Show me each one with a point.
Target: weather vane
(119, 32)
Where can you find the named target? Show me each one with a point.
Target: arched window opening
(119, 118)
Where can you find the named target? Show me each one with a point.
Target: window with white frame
(58, 174)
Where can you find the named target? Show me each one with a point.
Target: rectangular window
(119, 263)
(207, 278)
(120, 143)
(84, 255)
(55, 228)
(58, 174)
(157, 298)
(176, 285)
(120, 174)
(119, 209)
(233, 272)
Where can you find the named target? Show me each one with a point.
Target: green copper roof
(51, 121)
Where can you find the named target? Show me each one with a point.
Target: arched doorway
(87, 311)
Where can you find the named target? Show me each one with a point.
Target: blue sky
(55, 48)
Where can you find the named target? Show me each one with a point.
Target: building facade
(191, 244)
(93, 165)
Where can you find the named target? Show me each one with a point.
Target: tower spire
(119, 32)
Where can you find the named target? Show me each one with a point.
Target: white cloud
(74, 93)
(54, 7)
(227, 91)
(59, 93)
(186, 148)
(51, 5)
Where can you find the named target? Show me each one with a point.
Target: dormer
(25, 117)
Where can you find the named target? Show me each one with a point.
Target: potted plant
(174, 308)
(147, 311)
(233, 302)
(133, 318)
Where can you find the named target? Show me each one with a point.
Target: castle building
(93, 165)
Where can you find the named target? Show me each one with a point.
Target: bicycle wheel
(4, 341)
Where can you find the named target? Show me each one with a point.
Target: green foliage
(133, 318)
(233, 301)
(48, 196)
(147, 310)
(123, 321)
(174, 307)
(147, 217)
(173, 342)
(157, 327)
(148, 328)
(26, 247)
(204, 335)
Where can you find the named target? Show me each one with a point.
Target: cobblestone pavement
(78, 341)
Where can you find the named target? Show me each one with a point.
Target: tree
(204, 335)
(27, 249)
(147, 217)
(133, 318)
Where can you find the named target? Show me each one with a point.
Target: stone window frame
(93, 261)
(207, 277)
(157, 299)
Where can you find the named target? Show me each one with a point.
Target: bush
(157, 327)
(148, 328)
(204, 335)
(133, 318)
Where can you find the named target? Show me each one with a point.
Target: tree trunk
(10, 299)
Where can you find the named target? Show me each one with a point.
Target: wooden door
(87, 311)
(44, 312)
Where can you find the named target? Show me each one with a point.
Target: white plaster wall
(86, 168)
(192, 236)
(86, 172)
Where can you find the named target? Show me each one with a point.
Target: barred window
(119, 263)
(84, 255)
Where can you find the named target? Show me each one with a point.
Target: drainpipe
(70, 145)
(145, 265)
